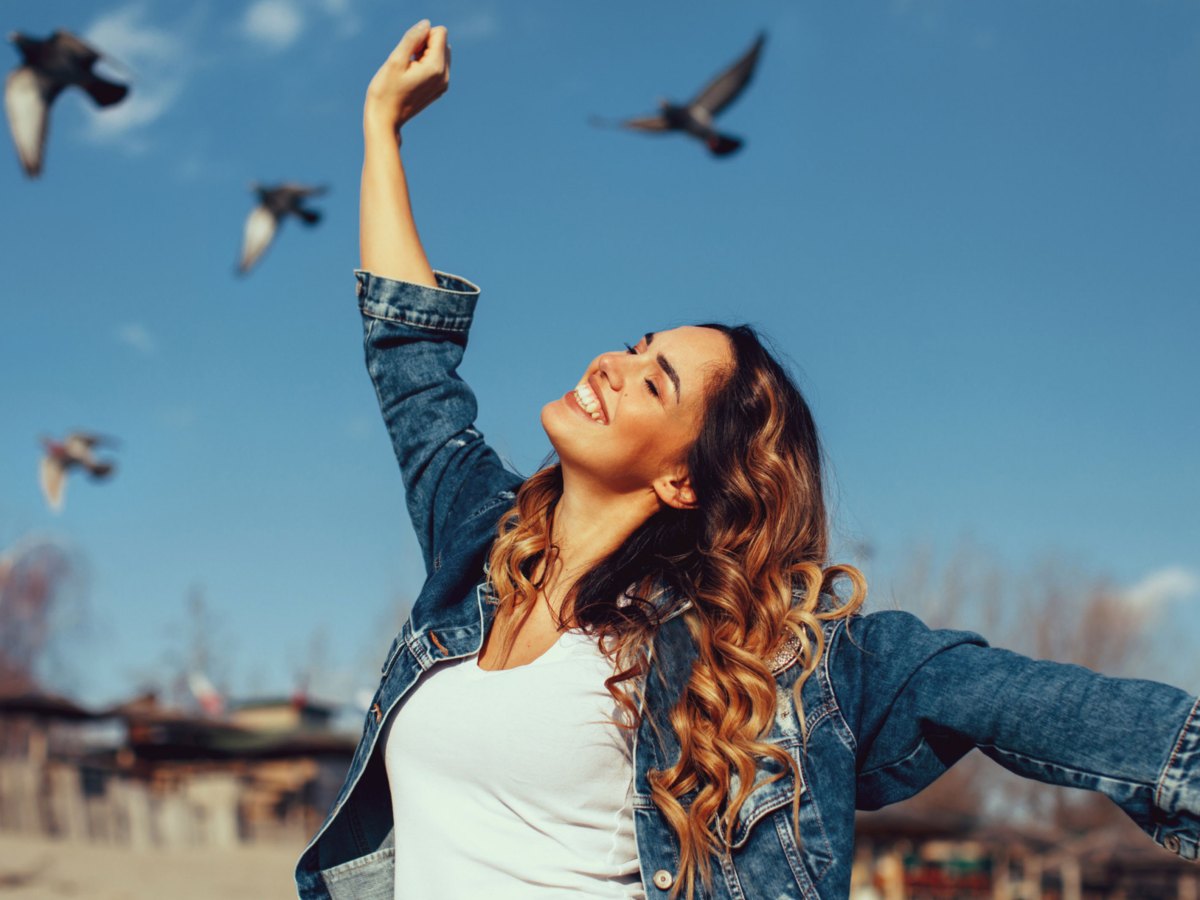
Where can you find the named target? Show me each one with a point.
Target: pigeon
(696, 116)
(47, 67)
(75, 450)
(274, 203)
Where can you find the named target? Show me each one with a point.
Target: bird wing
(304, 190)
(724, 89)
(646, 123)
(260, 231)
(53, 476)
(78, 447)
(27, 99)
(84, 52)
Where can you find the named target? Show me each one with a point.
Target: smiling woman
(648, 410)
(636, 673)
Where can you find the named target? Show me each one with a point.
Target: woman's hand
(415, 74)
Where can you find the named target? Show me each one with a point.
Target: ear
(675, 490)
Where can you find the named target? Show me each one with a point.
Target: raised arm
(918, 699)
(415, 320)
(415, 74)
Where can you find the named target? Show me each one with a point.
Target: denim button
(662, 879)
(1171, 842)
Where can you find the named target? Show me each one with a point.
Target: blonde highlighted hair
(750, 558)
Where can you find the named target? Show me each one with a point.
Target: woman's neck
(587, 526)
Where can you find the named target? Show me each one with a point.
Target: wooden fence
(63, 799)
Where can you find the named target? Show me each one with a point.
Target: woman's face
(628, 424)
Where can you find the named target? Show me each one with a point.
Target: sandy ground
(32, 867)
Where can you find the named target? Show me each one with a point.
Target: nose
(612, 370)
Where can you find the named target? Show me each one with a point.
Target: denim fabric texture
(891, 706)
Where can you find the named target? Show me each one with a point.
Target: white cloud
(154, 61)
(1161, 587)
(137, 336)
(480, 25)
(274, 23)
(342, 12)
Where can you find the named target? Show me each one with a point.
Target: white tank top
(513, 784)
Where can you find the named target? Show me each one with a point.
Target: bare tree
(41, 600)
(193, 671)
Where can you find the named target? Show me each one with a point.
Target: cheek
(658, 444)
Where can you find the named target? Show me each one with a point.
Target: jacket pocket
(765, 823)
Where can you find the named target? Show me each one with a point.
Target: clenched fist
(415, 74)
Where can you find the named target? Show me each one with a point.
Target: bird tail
(105, 92)
(310, 217)
(100, 469)
(723, 144)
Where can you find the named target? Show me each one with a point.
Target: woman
(630, 675)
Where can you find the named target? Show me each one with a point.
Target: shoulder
(895, 634)
(871, 658)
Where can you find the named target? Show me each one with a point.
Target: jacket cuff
(448, 307)
(1178, 794)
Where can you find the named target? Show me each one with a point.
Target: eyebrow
(666, 366)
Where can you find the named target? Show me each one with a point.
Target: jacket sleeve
(414, 339)
(919, 699)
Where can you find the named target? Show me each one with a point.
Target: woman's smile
(587, 398)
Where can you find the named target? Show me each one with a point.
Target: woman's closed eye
(650, 385)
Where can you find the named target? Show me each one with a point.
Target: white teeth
(587, 399)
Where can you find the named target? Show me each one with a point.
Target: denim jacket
(891, 706)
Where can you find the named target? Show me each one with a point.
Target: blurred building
(906, 855)
(142, 774)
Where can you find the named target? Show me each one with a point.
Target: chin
(550, 417)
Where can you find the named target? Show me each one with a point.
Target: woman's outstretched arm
(917, 699)
(415, 320)
(415, 74)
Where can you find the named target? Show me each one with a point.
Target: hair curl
(751, 558)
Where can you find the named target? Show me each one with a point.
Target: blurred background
(970, 228)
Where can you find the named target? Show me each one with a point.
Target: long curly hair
(751, 559)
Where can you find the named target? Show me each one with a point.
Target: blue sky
(972, 228)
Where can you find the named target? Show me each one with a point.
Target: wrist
(379, 125)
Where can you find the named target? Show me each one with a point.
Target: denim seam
(400, 643)
(336, 872)
(414, 319)
(732, 882)
(1169, 772)
(817, 716)
(891, 764)
(836, 636)
(418, 650)
(795, 860)
(1061, 767)
(747, 821)
(486, 507)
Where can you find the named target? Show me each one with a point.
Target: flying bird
(274, 204)
(47, 67)
(73, 452)
(696, 116)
